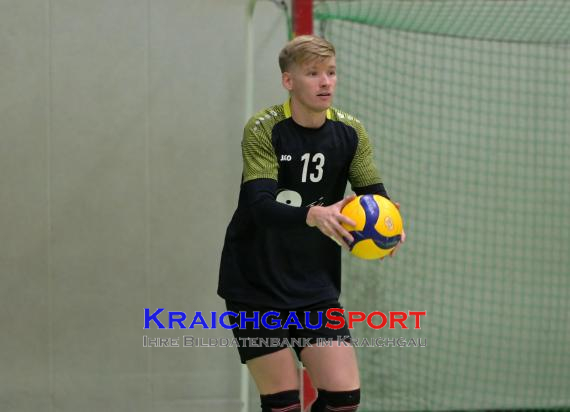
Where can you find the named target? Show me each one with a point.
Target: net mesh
(468, 107)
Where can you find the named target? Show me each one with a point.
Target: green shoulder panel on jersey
(259, 158)
(363, 171)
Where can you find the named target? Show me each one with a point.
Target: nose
(325, 80)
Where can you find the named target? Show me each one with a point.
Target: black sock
(333, 401)
(286, 401)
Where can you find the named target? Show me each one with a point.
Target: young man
(281, 251)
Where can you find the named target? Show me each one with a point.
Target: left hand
(402, 238)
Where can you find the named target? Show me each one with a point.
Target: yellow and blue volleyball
(378, 226)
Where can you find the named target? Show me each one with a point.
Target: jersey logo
(319, 202)
(289, 197)
(286, 158)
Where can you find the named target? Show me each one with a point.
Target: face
(312, 84)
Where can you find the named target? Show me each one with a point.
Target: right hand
(328, 220)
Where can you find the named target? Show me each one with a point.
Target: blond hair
(304, 48)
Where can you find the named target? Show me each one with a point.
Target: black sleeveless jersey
(291, 266)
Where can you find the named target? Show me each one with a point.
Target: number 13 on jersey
(317, 163)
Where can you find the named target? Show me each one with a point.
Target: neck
(305, 117)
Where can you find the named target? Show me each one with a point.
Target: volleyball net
(468, 107)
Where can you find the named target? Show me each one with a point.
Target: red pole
(309, 394)
(302, 17)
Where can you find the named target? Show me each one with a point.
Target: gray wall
(119, 171)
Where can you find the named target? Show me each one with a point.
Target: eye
(332, 73)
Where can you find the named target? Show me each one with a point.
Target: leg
(333, 368)
(334, 371)
(274, 369)
(277, 380)
(274, 372)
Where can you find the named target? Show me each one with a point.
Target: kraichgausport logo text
(334, 318)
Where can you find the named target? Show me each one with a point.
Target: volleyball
(378, 226)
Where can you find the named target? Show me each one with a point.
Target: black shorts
(254, 342)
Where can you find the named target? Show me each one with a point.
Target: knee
(329, 401)
(281, 401)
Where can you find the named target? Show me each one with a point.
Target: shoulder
(346, 119)
(263, 121)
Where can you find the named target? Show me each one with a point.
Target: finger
(340, 235)
(341, 242)
(331, 232)
(397, 205)
(403, 237)
(346, 200)
(344, 243)
(336, 241)
(393, 252)
(346, 220)
(344, 235)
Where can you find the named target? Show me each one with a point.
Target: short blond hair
(304, 48)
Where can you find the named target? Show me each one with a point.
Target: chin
(321, 107)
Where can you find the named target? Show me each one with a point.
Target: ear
(287, 81)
